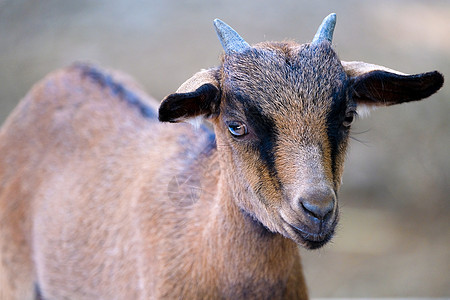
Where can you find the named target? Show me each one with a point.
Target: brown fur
(100, 201)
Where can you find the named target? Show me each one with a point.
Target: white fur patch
(364, 110)
(196, 122)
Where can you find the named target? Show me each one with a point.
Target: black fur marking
(117, 89)
(37, 292)
(266, 133)
(335, 131)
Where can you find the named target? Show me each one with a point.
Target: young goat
(99, 200)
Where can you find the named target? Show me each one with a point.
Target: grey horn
(231, 41)
(326, 29)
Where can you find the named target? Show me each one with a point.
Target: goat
(100, 200)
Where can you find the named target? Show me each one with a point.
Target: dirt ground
(394, 235)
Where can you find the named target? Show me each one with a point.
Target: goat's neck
(239, 245)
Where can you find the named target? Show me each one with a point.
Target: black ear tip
(439, 79)
(164, 112)
(435, 80)
(162, 117)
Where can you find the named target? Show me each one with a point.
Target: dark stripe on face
(266, 137)
(336, 134)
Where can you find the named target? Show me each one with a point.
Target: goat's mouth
(311, 240)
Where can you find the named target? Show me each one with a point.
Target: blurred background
(394, 235)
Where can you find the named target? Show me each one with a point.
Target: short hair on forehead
(283, 75)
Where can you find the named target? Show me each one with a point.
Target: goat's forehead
(285, 76)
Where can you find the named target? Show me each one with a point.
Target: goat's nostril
(319, 210)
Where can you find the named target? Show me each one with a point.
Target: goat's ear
(379, 86)
(198, 96)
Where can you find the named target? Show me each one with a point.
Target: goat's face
(282, 115)
(283, 124)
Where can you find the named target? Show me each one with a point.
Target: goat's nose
(318, 204)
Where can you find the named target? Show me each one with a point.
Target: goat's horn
(231, 41)
(326, 29)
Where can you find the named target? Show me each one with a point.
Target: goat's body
(100, 201)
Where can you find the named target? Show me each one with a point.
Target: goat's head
(282, 114)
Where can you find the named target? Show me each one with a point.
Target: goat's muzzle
(311, 219)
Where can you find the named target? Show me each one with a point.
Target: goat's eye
(349, 117)
(237, 129)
